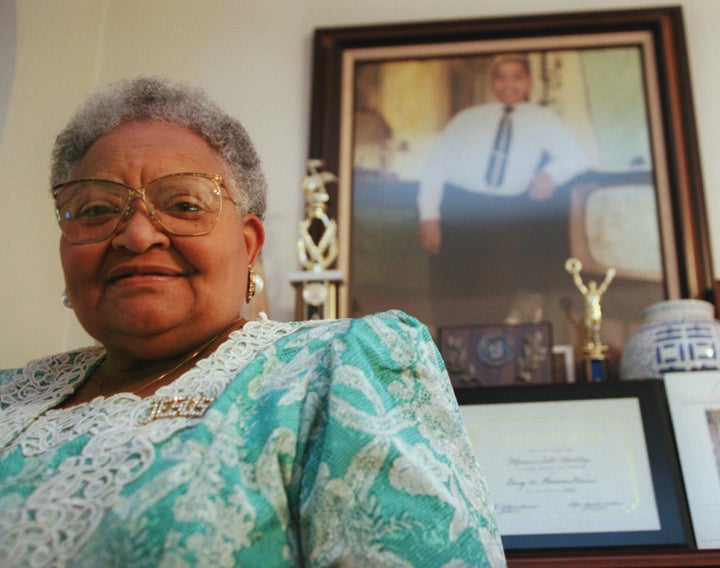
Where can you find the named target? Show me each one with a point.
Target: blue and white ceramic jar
(677, 335)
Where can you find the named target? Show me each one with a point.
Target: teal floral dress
(294, 444)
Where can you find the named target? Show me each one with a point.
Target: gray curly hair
(173, 103)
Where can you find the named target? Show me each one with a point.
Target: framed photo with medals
(497, 355)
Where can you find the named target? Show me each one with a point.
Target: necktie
(501, 147)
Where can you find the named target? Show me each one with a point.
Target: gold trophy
(593, 350)
(317, 248)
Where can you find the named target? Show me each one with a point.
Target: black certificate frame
(675, 526)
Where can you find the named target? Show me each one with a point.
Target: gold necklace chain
(185, 361)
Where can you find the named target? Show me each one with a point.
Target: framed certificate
(695, 409)
(579, 465)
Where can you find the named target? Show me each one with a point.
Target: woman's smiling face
(143, 291)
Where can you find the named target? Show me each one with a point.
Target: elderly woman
(192, 437)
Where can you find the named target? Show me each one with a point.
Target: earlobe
(254, 236)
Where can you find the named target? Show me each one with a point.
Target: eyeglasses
(90, 210)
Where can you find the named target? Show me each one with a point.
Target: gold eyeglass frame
(139, 193)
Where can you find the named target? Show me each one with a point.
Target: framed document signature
(695, 409)
(579, 465)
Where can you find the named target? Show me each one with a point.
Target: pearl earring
(255, 285)
(65, 299)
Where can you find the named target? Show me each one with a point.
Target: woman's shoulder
(389, 317)
(390, 326)
(391, 338)
(46, 369)
(377, 324)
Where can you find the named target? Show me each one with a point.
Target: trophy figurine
(593, 350)
(317, 245)
(317, 249)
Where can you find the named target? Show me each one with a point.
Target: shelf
(625, 559)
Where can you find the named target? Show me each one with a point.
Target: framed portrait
(447, 214)
(492, 355)
(579, 466)
(695, 409)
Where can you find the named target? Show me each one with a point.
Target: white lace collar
(46, 382)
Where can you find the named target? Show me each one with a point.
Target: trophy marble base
(316, 294)
(596, 370)
(596, 365)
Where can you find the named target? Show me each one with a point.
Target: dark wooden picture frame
(684, 240)
(546, 445)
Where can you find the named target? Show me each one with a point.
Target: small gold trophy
(593, 350)
(317, 247)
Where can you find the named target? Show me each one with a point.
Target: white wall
(254, 58)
